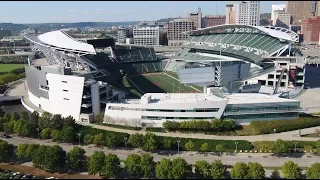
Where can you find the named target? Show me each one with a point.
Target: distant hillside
(265, 16)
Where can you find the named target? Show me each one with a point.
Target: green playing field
(161, 82)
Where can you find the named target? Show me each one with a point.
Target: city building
(310, 29)
(276, 9)
(146, 36)
(196, 18)
(230, 14)
(123, 33)
(248, 13)
(283, 19)
(301, 10)
(176, 29)
(214, 20)
(5, 33)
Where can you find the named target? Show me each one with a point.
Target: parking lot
(7, 174)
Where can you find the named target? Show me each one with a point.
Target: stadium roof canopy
(61, 41)
(277, 32)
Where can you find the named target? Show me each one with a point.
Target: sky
(109, 11)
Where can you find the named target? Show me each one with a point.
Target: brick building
(214, 20)
(310, 28)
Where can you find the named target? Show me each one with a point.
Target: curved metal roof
(61, 40)
(277, 32)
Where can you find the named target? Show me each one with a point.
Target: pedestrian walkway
(288, 136)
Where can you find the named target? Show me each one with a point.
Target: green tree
(88, 139)
(15, 117)
(291, 170)
(6, 151)
(180, 169)
(9, 127)
(34, 118)
(29, 130)
(167, 143)
(112, 167)
(17, 128)
(256, 171)
(280, 146)
(55, 135)
(44, 120)
(220, 148)
(189, 145)
(218, 170)
(24, 116)
(132, 164)
(150, 142)
(163, 169)
(39, 156)
(31, 149)
(56, 122)
(76, 158)
(98, 139)
(55, 158)
(314, 171)
(99, 118)
(96, 163)
(111, 140)
(136, 140)
(67, 134)
(275, 174)
(240, 171)
(318, 145)
(21, 152)
(6, 117)
(308, 149)
(147, 165)
(69, 121)
(45, 133)
(202, 169)
(204, 147)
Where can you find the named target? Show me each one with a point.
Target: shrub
(266, 127)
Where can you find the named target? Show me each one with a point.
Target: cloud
(72, 10)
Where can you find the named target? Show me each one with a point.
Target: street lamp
(125, 140)
(295, 146)
(236, 146)
(79, 134)
(275, 131)
(38, 133)
(178, 141)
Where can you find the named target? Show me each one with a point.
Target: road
(269, 161)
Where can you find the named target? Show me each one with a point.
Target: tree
(56, 122)
(24, 116)
(318, 145)
(163, 169)
(147, 165)
(28, 130)
(275, 174)
(17, 127)
(6, 117)
(76, 158)
(96, 163)
(98, 139)
(167, 143)
(220, 148)
(136, 140)
(240, 171)
(202, 169)
(204, 147)
(6, 151)
(44, 120)
(21, 152)
(218, 170)
(15, 117)
(150, 142)
(69, 121)
(314, 171)
(55, 135)
(31, 149)
(112, 166)
(189, 145)
(280, 146)
(308, 149)
(67, 134)
(111, 140)
(9, 126)
(132, 164)
(291, 170)
(256, 171)
(88, 139)
(180, 169)
(38, 157)
(45, 133)
(55, 158)
(34, 117)
(99, 118)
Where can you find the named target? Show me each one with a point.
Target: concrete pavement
(229, 159)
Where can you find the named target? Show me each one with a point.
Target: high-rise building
(310, 28)
(276, 9)
(248, 13)
(301, 10)
(196, 18)
(123, 33)
(176, 37)
(230, 14)
(282, 19)
(214, 20)
(4, 33)
(146, 36)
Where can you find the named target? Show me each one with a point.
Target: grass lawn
(311, 135)
(159, 82)
(161, 130)
(9, 67)
(120, 127)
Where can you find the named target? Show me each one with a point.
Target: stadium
(236, 72)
